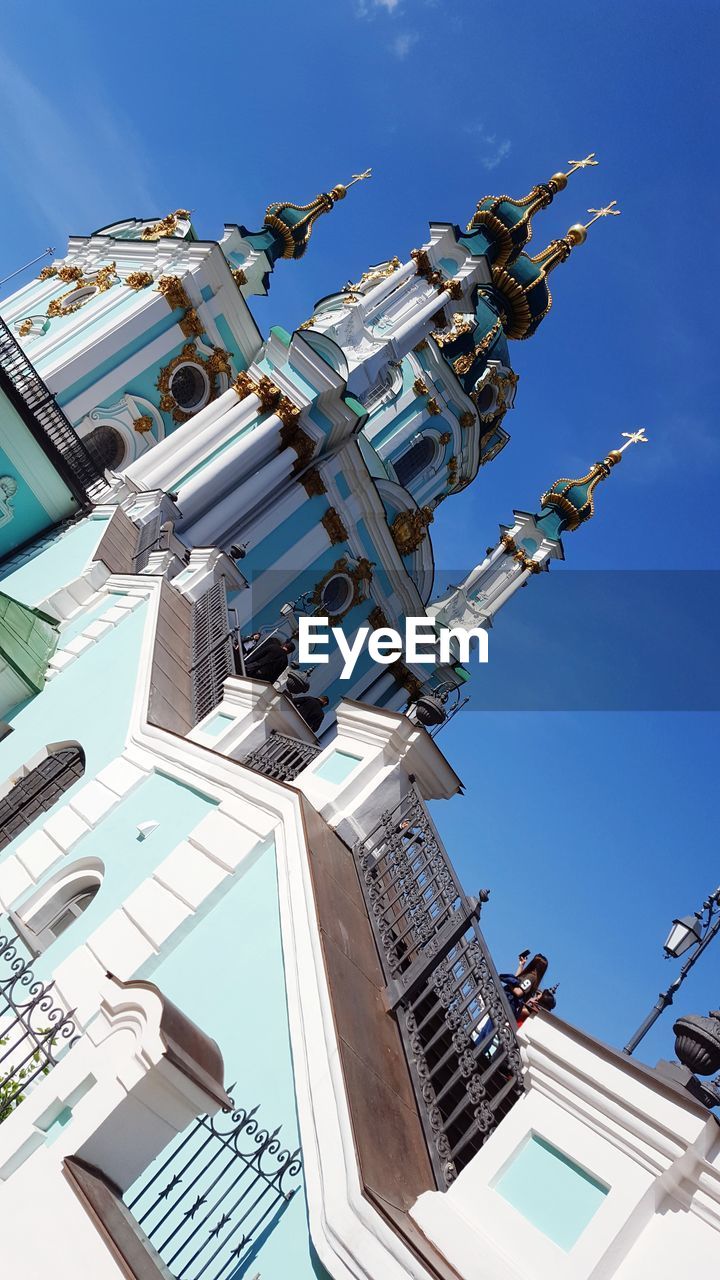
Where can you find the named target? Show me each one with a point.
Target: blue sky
(593, 828)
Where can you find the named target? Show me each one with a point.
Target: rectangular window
(551, 1191)
(337, 767)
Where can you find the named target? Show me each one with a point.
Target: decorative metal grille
(281, 757)
(86, 474)
(217, 1195)
(150, 540)
(33, 1029)
(39, 789)
(212, 650)
(455, 1022)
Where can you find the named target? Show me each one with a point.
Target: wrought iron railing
(454, 1019)
(217, 1195)
(281, 757)
(34, 1030)
(212, 650)
(25, 381)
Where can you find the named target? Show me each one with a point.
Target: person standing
(269, 658)
(311, 708)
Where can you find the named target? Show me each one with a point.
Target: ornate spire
(569, 503)
(292, 224)
(558, 250)
(507, 222)
(522, 292)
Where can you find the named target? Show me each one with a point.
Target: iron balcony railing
(33, 1029)
(212, 661)
(217, 1195)
(457, 1028)
(24, 384)
(281, 757)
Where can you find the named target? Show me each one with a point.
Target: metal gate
(212, 650)
(217, 1195)
(456, 1025)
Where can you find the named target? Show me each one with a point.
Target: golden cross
(608, 210)
(360, 177)
(582, 164)
(633, 437)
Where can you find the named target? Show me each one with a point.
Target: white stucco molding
(650, 1143)
(129, 1084)
(352, 1240)
(390, 749)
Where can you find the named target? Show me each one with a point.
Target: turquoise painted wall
(127, 859)
(228, 976)
(55, 563)
(29, 516)
(64, 712)
(551, 1191)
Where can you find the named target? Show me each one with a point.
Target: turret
(527, 546)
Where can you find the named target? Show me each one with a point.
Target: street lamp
(684, 934)
(697, 932)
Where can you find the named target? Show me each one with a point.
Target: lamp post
(696, 931)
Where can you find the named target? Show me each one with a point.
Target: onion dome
(570, 503)
(521, 290)
(287, 227)
(501, 226)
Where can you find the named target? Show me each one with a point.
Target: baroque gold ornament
(138, 279)
(167, 226)
(409, 528)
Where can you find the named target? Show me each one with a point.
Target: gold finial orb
(614, 456)
(339, 192)
(559, 180)
(577, 234)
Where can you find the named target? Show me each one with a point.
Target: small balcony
(457, 1030)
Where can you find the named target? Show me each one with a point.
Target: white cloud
(492, 150)
(389, 5)
(402, 44)
(72, 169)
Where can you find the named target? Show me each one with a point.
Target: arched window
(58, 904)
(35, 787)
(105, 446)
(414, 461)
(337, 594)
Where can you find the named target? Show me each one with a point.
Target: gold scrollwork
(171, 287)
(313, 483)
(420, 387)
(47, 273)
(69, 273)
(376, 618)
(433, 407)
(467, 419)
(143, 424)
(212, 365)
(359, 573)
(191, 325)
(167, 226)
(409, 528)
(238, 276)
(460, 324)
(25, 328)
(138, 279)
(333, 526)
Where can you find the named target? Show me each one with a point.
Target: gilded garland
(217, 363)
(409, 528)
(359, 574)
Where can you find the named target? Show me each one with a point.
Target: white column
(245, 474)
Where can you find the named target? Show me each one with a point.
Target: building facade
(249, 1024)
